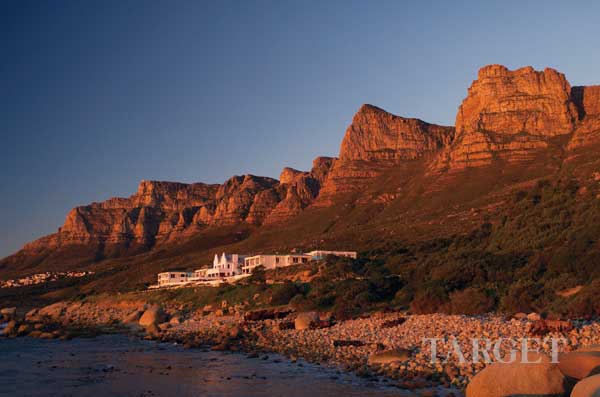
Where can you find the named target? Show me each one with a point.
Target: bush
(283, 293)
(522, 297)
(430, 299)
(301, 303)
(471, 301)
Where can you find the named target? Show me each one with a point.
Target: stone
(534, 317)
(520, 316)
(10, 329)
(579, 364)
(8, 311)
(54, 311)
(152, 317)
(588, 387)
(389, 356)
(306, 320)
(46, 335)
(543, 379)
(24, 329)
(133, 317)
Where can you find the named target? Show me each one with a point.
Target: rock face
(377, 140)
(299, 189)
(512, 102)
(161, 212)
(587, 100)
(510, 115)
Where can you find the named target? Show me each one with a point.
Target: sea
(119, 365)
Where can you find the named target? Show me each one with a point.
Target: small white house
(272, 261)
(226, 266)
(173, 278)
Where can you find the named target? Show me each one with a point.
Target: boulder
(24, 329)
(306, 320)
(175, 320)
(164, 326)
(46, 335)
(579, 364)
(10, 329)
(35, 334)
(32, 315)
(520, 316)
(534, 317)
(153, 316)
(133, 318)
(152, 330)
(8, 311)
(588, 387)
(54, 311)
(542, 379)
(389, 356)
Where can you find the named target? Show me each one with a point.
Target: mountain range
(395, 179)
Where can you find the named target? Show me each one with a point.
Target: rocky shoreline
(388, 347)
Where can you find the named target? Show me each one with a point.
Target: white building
(321, 254)
(226, 266)
(173, 278)
(272, 261)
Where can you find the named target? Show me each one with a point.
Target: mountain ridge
(513, 127)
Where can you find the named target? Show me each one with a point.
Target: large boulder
(306, 320)
(389, 356)
(533, 378)
(588, 387)
(54, 311)
(579, 364)
(153, 316)
(133, 317)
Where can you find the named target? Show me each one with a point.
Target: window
(304, 260)
(295, 260)
(277, 259)
(172, 276)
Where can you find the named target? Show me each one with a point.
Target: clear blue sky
(96, 96)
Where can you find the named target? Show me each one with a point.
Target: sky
(96, 96)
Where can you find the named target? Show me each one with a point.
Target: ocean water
(117, 365)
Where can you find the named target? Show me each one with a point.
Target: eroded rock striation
(510, 115)
(377, 140)
(587, 100)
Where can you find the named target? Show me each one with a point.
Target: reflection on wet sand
(118, 365)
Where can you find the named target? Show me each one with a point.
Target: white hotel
(233, 266)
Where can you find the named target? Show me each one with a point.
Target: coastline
(350, 346)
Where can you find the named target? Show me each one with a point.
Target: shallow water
(116, 365)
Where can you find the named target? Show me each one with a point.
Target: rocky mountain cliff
(508, 120)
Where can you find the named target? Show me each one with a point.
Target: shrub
(471, 301)
(430, 299)
(283, 293)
